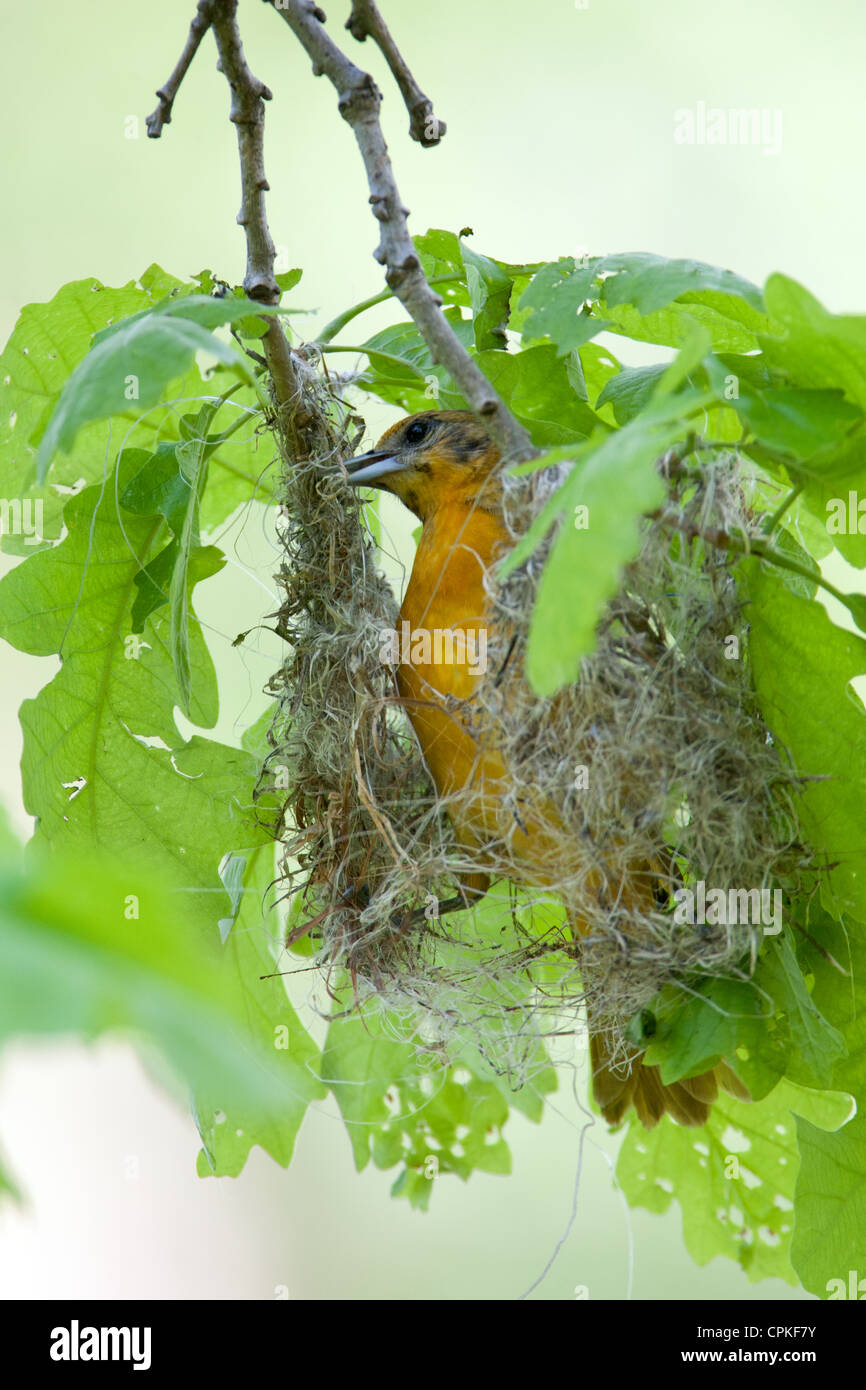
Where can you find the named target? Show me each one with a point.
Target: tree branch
(197, 30)
(359, 100)
(248, 115)
(365, 20)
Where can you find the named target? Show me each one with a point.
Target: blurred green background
(560, 140)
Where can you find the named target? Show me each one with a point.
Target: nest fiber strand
(654, 764)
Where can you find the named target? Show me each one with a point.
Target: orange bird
(442, 465)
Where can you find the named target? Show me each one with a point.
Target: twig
(197, 30)
(773, 521)
(749, 545)
(365, 20)
(248, 115)
(339, 323)
(359, 100)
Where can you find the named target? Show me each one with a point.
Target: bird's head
(428, 459)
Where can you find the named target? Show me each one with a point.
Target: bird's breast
(444, 650)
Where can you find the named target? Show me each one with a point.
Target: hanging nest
(654, 771)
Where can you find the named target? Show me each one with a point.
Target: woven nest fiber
(653, 773)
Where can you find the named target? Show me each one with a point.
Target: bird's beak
(369, 468)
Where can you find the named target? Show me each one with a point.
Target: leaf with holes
(400, 1107)
(734, 1178)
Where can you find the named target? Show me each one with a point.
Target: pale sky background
(560, 139)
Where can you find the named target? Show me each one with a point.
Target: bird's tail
(617, 1085)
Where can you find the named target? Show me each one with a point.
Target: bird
(443, 466)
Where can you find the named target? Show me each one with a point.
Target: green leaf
(557, 294)
(811, 1044)
(733, 1178)
(584, 567)
(104, 763)
(590, 368)
(612, 485)
(831, 1210)
(674, 325)
(358, 1063)
(644, 297)
(828, 1239)
(818, 350)
(766, 1027)
(536, 386)
(234, 478)
(402, 372)
(48, 341)
(797, 422)
(803, 665)
(695, 1032)
(157, 486)
(441, 254)
(193, 459)
(171, 483)
(288, 279)
(787, 545)
(136, 360)
(691, 354)
(808, 535)
(160, 488)
(160, 284)
(9, 1189)
(208, 310)
(650, 282)
(839, 509)
(153, 582)
(629, 391)
(230, 1127)
(242, 470)
(490, 296)
(93, 944)
(402, 1106)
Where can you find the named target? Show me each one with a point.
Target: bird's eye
(418, 430)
